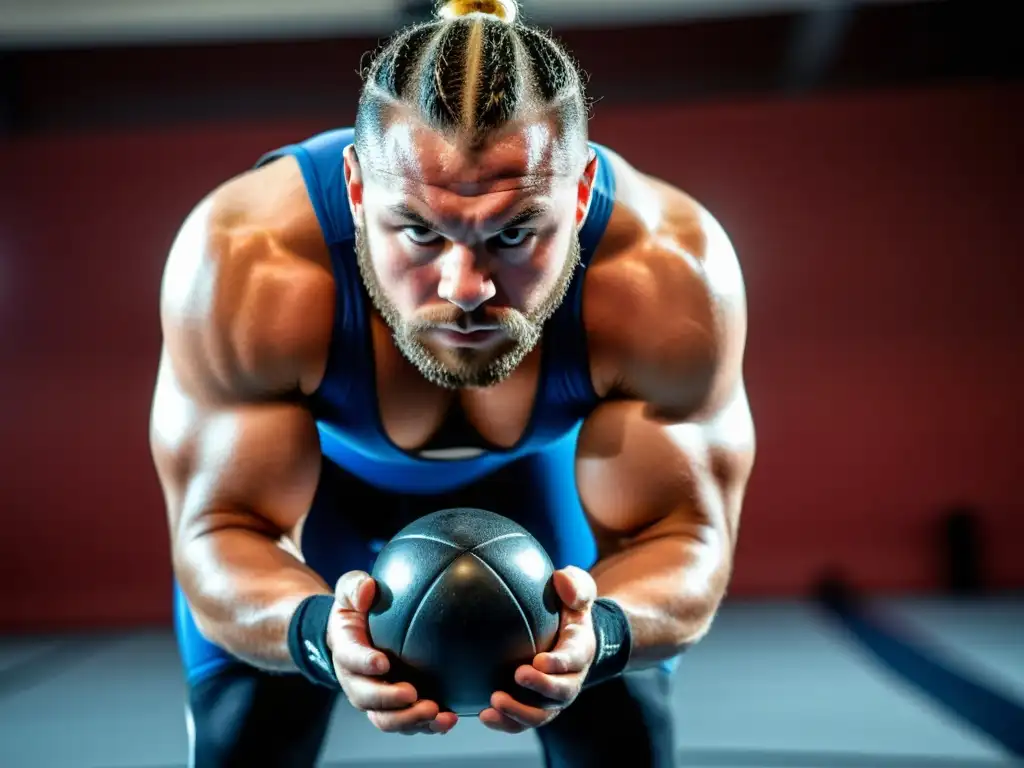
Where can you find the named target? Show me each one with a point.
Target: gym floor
(902, 683)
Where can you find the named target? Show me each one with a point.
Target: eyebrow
(525, 216)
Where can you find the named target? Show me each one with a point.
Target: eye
(514, 237)
(422, 235)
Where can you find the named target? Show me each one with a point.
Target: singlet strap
(321, 160)
(323, 168)
(567, 362)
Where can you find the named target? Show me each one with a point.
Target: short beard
(467, 367)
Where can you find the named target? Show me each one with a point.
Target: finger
(348, 636)
(351, 648)
(430, 729)
(496, 721)
(571, 654)
(560, 689)
(444, 722)
(354, 591)
(529, 717)
(440, 725)
(575, 588)
(417, 716)
(368, 694)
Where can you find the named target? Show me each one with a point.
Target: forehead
(524, 155)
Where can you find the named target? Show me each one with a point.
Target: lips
(475, 337)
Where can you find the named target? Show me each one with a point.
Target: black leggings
(244, 717)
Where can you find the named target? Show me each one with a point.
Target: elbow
(201, 584)
(694, 623)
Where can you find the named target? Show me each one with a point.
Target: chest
(419, 416)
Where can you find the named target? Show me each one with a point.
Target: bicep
(644, 477)
(231, 443)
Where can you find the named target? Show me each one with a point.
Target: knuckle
(358, 702)
(343, 660)
(359, 706)
(559, 694)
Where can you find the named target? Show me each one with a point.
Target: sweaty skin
(247, 308)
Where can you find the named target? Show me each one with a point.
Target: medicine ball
(464, 597)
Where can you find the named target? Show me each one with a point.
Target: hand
(558, 674)
(393, 708)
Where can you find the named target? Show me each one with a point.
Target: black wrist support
(614, 642)
(307, 640)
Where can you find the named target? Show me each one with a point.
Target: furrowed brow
(403, 211)
(521, 218)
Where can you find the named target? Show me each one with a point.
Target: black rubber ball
(464, 597)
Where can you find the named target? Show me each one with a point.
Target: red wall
(880, 240)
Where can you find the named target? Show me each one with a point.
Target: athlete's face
(467, 252)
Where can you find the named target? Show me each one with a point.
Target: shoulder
(665, 301)
(247, 293)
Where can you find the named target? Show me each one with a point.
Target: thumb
(575, 587)
(348, 637)
(354, 591)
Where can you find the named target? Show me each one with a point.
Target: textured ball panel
(524, 566)
(462, 527)
(404, 571)
(467, 638)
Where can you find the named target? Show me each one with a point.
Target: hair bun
(506, 10)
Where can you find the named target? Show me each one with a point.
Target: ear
(354, 182)
(585, 191)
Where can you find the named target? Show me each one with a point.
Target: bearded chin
(465, 368)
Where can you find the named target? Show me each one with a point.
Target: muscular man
(461, 302)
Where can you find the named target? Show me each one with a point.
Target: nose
(463, 283)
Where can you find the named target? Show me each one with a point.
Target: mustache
(434, 317)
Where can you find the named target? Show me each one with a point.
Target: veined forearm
(243, 588)
(669, 588)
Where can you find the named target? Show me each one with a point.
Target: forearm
(669, 589)
(243, 588)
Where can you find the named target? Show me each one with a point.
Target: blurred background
(865, 158)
